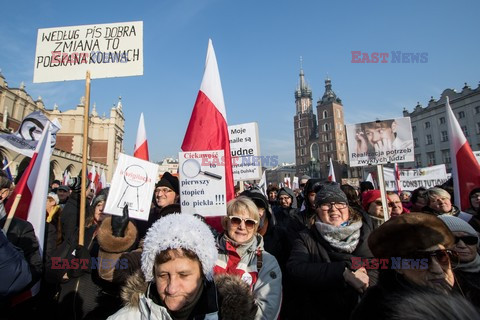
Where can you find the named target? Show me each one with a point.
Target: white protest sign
(411, 179)
(202, 182)
(245, 150)
(106, 50)
(380, 142)
(133, 184)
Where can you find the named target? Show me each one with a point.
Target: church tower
(305, 125)
(331, 130)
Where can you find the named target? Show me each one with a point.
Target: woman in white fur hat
(176, 281)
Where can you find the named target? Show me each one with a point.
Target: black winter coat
(316, 270)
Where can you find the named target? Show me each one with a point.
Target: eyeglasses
(444, 257)
(164, 191)
(392, 204)
(236, 221)
(475, 195)
(284, 198)
(329, 205)
(468, 240)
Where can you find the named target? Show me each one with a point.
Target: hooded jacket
(284, 216)
(226, 298)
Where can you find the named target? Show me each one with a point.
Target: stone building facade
(105, 137)
(429, 126)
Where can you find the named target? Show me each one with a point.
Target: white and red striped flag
(396, 174)
(141, 145)
(331, 172)
(102, 183)
(91, 176)
(208, 129)
(66, 177)
(33, 188)
(465, 168)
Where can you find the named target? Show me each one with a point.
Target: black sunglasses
(468, 240)
(444, 257)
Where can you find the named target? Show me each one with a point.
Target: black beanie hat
(169, 181)
(330, 192)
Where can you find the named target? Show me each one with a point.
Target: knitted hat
(407, 234)
(370, 196)
(285, 191)
(53, 196)
(456, 224)
(179, 231)
(256, 196)
(169, 181)
(330, 192)
(98, 199)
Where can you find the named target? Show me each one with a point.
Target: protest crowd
(324, 254)
(324, 251)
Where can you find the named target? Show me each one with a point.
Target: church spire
(303, 90)
(329, 95)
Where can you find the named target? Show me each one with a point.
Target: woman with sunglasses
(326, 261)
(467, 273)
(240, 252)
(416, 255)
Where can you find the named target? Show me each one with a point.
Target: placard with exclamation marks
(220, 199)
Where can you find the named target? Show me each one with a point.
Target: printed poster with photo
(380, 142)
(133, 184)
(202, 182)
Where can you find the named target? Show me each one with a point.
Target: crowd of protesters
(323, 251)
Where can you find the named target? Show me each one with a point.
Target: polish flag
(102, 182)
(91, 176)
(66, 177)
(207, 129)
(287, 182)
(396, 174)
(33, 189)
(331, 172)
(141, 145)
(465, 168)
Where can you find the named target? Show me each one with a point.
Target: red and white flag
(33, 186)
(396, 174)
(208, 129)
(465, 168)
(331, 172)
(286, 181)
(141, 145)
(91, 176)
(66, 177)
(102, 183)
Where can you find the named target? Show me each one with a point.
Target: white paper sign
(411, 179)
(106, 50)
(245, 149)
(133, 184)
(202, 182)
(380, 142)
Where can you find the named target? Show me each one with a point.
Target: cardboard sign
(202, 182)
(106, 50)
(245, 149)
(133, 184)
(380, 142)
(411, 179)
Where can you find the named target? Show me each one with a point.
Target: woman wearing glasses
(240, 252)
(467, 273)
(326, 261)
(417, 255)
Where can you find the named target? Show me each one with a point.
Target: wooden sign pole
(83, 193)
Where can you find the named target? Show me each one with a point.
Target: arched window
(326, 127)
(325, 114)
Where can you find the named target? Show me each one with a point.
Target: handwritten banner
(106, 50)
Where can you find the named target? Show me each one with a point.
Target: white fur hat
(176, 231)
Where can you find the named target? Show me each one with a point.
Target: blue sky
(258, 45)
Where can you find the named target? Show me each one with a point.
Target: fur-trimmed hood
(235, 299)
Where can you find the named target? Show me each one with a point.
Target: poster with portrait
(380, 142)
(133, 184)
